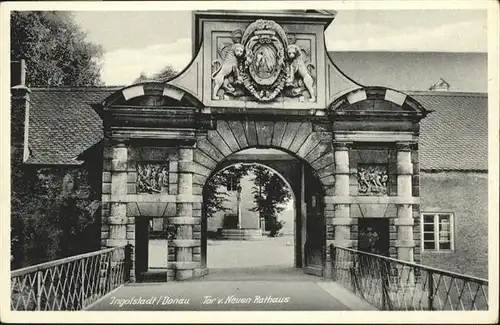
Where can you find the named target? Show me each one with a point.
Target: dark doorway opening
(374, 235)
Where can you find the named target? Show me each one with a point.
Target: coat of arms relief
(263, 62)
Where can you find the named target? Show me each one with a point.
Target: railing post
(430, 290)
(127, 262)
(109, 282)
(333, 257)
(384, 280)
(38, 290)
(352, 271)
(82, 291)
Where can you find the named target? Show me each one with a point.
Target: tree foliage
(215, 199)
(167, 73)
(55, 48)
(271, 194)
(49, 223)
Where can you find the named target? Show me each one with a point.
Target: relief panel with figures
(152, 177)
(372, 179)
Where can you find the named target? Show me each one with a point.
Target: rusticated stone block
(173, 177)
(154, 154)
(106, 165)
(152, 209)
(106, 188)
(203, 159)
(131, 188)
(131, 177)
(239, 133)
(106, 177)
(132, 209)
(227, 134)
(105, 214)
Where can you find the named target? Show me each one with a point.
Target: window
(437, 231)
(232, 183)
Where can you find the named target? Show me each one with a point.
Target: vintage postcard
(214, 161)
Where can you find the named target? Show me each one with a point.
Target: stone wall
(465, 194)
(386, 159)
(144, 187)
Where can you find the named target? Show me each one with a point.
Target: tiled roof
(62, 123)
(453, 137)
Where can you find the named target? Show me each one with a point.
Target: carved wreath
(263, 62)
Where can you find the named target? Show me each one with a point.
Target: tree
(271, 194)
(55, 48)
(215, 199)
(167, 73)
(48, 223)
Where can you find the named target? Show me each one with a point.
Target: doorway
(302, 239)
(374, 235)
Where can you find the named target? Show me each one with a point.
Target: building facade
(408, 167)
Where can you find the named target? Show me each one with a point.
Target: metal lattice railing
(391, 284)
(71, 283)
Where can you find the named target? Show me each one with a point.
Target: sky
(145, 41)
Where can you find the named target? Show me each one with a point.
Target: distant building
(239, 221)
(440, 85)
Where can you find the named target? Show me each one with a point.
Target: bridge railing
(391, 284)
(71, 283)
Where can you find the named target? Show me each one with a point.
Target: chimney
(19, 111)
(440, 85)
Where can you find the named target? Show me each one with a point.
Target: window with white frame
(437, 231)
(232, 183)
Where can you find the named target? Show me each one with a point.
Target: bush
(275, 226)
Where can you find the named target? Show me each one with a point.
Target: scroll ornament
(262, 63)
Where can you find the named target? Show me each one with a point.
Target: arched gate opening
(308, 222)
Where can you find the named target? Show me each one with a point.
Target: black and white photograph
(316, 157)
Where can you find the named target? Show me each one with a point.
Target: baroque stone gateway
(261, 80)
(263, 62)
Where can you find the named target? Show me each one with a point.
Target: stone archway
(188, 125)
(308, 216)
(300, 139)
